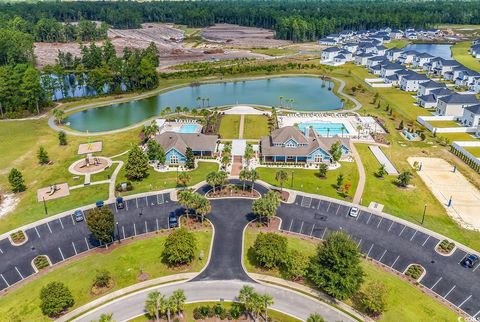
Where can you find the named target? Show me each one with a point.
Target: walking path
(241, 126)
(357, 198)
(383, 159)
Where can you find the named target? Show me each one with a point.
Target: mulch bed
(228, 192)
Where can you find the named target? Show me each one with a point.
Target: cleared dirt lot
(171, 45)
(246, 37)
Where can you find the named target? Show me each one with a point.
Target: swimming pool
(324, 128)
(188, 128)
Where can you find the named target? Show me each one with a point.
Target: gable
(173, 151)
(290, 143)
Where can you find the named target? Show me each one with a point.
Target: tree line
(293, 20)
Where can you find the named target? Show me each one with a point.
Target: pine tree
(137, 164)
(62, 138)
(15, 178)
(190, 162)
(42, 156)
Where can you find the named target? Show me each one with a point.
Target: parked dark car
(120, 203)
(99, 204)
(78, 215)
(469, 261)
(172, 220)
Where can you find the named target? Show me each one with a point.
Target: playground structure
(53, 191)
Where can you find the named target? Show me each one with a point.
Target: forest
(291, 19)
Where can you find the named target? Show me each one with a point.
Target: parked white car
(354, 212)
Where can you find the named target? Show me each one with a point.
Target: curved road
(392, 242)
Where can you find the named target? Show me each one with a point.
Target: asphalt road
(382, 239)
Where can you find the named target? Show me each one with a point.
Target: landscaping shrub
(18, 237)
(55, 297)
(119, 188)
(372, 299)
(102, 278)
(270, 250)
(41, 262)
(236, 311)
(414, 271)
(180, 247)
(446, 246)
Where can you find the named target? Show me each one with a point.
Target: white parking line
(156, 219)
(413, 235)
(86, 242)
(146, 228)
(146, 201)
(369, 218)
(436, 283)
(1, 251)
(336, 212)
(61, 223)
(464, 301)
(135, 229)
(21, 276)
(402, 231)
(116, 209)
(382, 255)
(136, 202)
(3, 278)
(37, 232)
(301, 227)
(158, 201)
(356, 219)
(126, 206)
(123, 231)
(312, 229)
(391, 226)
(396, 259)
(379, 222)
(74, 248)
(476, 267)
(290, 228)
(63, 258)
(49, 228)
(324, 232)
(450, 291)
(425, 240)
(329, 204)
(476, 314)
(73, 221)
(359, 242)
(368, 254)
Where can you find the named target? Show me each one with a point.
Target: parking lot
(390, 243)
(63, 238)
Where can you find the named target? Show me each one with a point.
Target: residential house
(373, 61)
(445, 66)
(465, 77)
(389, 68)
(175, 145)
(471, 116)
(421, 59)
(430, 100)
(426, 87)
(411, 82)
(393, 54)
(407, 57)
(396, 34)
(475, 50)
(350, 46)
(328, 41)
(289, 144)
(329, 53)
(380, 50)
(433, 65)
(361, 59)
(475, 87)
(454, 104)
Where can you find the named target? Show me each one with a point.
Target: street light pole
(424, 210)
(118, 233)
(45, 206)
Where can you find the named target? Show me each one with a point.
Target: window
(173, 159)
(290, 145)
(318, 158)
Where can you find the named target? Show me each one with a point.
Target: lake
(308, 94)
(437, 50)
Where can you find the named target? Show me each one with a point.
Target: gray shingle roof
(433, 84)
(416, 76)
(475, 109)
(332, 50)
(456, 98)
(430, 98)
(441, 92)
(180, 141)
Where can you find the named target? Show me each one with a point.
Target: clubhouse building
(175, 145)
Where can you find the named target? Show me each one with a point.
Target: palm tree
(208, 101)
(245, 297)
(315, 317)
(248, 154)
(184, 178)
(244, 175)
(222, 178)
(198, 99)
(154, 127)
(281, 176)
(155, 304)
(106, 317)
(203, 206)
(225, 161)
(212, 179)
(253, 177)
(59, 115)
(185, 198)
(266, 300)
(178, 297)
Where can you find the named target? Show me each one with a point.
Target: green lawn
(444, 124)
(458, 136)
(188, 312)
(400, 293)
(164, 180)
(229, 127)
(255, 127)
(125, 263)
(397, 43)
(409, 203)
(104, 175)
(473, 150)
(273, 51)
(308, 180)
(460, 52)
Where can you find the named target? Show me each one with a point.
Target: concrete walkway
(241, 126)
(357, 198)
(383, 159)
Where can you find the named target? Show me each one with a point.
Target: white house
(445, 66)
(431, 66)
(407, 57)
(340, 59)
(465, 77)
(329, 53)
(475, 50)
(410, 82)
(328, 41)
(421, 59)
(396, 34)
(389, 68)
(454, 104)
(376, 69)
(475, 87)
(430, 100)
(393, 54)
(350, 46)
(373, 61)
(426, 87)
(361, 59)
(391, 79)
(471, 116)
(380, 50)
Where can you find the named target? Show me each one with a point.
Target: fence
(458, 148)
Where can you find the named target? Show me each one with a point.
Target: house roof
(392, 66)
(424, 55)
(376, 67)
(415, 76)
(328, 40)
(475, 109)
(393, 77)
(381, 47)
(441, 92)
(433, 84)
(456, 98)
(332, 50)
(366, 55)
(180, 141)
(340, 57)
(394, 50)
(377, 58)
(312, 140)
(450, 62)
(430, 98)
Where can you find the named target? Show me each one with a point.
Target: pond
(298, 93)
(436, 50)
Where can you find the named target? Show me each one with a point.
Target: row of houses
(287, 144)
(475, 48)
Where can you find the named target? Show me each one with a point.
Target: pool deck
(325, 119)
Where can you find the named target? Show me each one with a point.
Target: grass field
(273, 51)
(460, 52)
(397, 43)
(229, 127)
(444, 124)
(164, 180)
(125, 263)
(473, 150)
(255, 127)
(409, 203)
(188, 312)
(308, 180)
(458, 136)
(400, 305)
